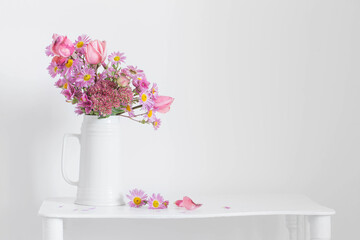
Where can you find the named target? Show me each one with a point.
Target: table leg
(292, 226)
(320, 227)
(53, 229)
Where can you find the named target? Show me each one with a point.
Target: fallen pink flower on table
(188, 203)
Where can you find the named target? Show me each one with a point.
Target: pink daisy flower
(117, 58)
(157, 202)
(125, 72)
(141, 83)
(154, 91)
(129, 110)
(137, 198)
(81, 42)
(53, 69)
(134, 71)
(150, 115)
(85, 78)
(145, 100)
(102, 76)
(85, 103)
(68, 92)
(112, 72)
(60, 83)
(156, 123)
(70, 65)
(48, 51)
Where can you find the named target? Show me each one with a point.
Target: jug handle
(65, 176)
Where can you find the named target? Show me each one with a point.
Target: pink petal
(179, 203)
(189, 204)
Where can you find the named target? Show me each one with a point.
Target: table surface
(219, 206)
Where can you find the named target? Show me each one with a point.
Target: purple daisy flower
(81, 42)
(157, 202)
(137, 198)
(85, 103)
(112, 72)
(129, 110)
(134, 72)
(48, 51)
(154, 91)
(150, 115)
(70, 65)
(53, 69)
(85, 78)
(125, 72)
(117, 58)
(60, 83)
(145, 100)
(156, 123)
(68, 92)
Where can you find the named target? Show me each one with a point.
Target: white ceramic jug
(100, 182)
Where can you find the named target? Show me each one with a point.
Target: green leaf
(75, 100)
(102, 117)
(116, 111)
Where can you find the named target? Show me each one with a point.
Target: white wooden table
(299, 210)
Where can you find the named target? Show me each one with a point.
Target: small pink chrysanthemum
(48, 51)
(85, 78)
(112, 72)
(145, 100)
(53, 69)
(125, 72)
(150, 115)
(60, 83)
(137, 198)
(69, 92)
(134, 71)
(156, 123)
(129, 110)
(84, 103)
(116, 58)
(70, 65)
(154, 91)
(102, 76)
(81, 42)
(157, 202)
(141, 83)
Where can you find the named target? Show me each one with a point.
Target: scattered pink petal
(179, 203)
(189, 204)
(226, 207)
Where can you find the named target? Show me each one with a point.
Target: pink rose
(59, 60)
(163, 103)
(95, 52)
(62, 46)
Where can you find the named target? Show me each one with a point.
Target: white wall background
(266, 93)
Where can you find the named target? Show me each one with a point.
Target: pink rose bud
(59, 60)
(163, 103)
(62, 46)
(123, 81)
(95, 52)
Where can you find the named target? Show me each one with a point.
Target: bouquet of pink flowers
(100, 88)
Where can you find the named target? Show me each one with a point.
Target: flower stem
(138, 106)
